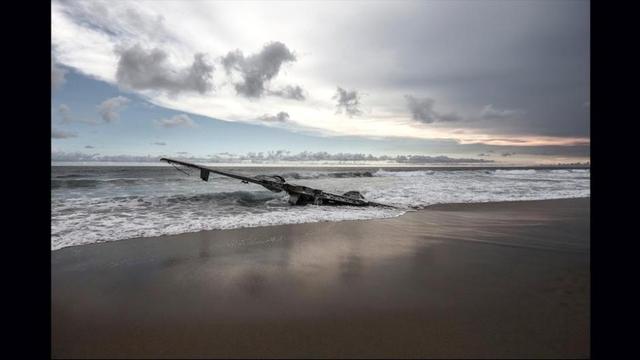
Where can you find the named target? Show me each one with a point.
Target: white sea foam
(405, 173)
(515, 171)
(154, 202)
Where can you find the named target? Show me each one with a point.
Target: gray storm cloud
(258, 69)
(531, 57)
(289, 92)
(489, 112)
(280, 117)
(109, 109)
(142, 69)
(348, 101)
(422, 109)
(181, 120)
(527, 55)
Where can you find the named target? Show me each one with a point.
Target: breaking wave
(242, 198)
(73, 182)
(92, 205)
(322, 175)
(416, 173)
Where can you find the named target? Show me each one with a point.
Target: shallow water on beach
(106, 203)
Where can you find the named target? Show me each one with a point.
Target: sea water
(92, 204)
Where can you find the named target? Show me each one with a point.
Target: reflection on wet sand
(459, 280)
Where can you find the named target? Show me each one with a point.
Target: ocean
(91, 204)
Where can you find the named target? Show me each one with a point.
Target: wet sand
(470, 280)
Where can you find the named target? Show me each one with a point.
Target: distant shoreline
(321, 166)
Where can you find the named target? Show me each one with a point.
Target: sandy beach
(488, 280)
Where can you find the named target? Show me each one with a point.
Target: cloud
(491, 113)
(65, 113)
(423, 111)
(65, 116)
(420, 159)
(348, 101)
(109, 110)
(283, 155)
(280, 117)
(273, 157)
(151, 26)
(89, 147)
(57, 76)
(140, 69)
(79, 156)
(436, 49)
(159, 143)
(176, 121)
(121, 20)
(61, 134)
(289, 92)
(258, 69)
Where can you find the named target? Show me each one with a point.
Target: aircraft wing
(205, 170)
(298, 195)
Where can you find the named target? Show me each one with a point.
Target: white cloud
(65, 113)
(80, 156)
(109, 109)
(181, 120)
(271, 157)
(65, 116)
(61, 134)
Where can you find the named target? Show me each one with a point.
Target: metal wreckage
(298, 195)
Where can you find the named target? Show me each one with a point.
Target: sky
(501, 81)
